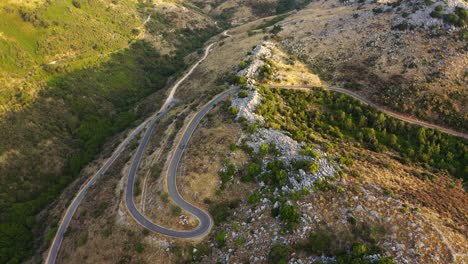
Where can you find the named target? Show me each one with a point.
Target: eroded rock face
(259, 53)
(289, 148)
(247, 106)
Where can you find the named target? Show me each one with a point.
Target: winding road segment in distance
(368, 102)
(205, 221)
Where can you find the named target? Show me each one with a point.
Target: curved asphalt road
(205, 221)
(57, 242)
(390, 113)
(65, 222)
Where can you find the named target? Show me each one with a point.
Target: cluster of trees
(324, 242)
(284, 6)
(222, 211)
(288, 214)
(459, 17)
(341, 117)
(355, 247)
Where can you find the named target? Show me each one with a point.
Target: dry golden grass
(198, 174)
(224, 58)
(441, 201)
(290, 71)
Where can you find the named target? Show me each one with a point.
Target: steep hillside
(33, 35)
(301, 176)
(238, 12)
(289, 176)
(407, 55)
(72, 73)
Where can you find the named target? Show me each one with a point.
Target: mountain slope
(72, 73)
(402, 54)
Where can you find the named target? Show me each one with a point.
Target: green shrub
(233, 110)
(459, 17)
(243, 94)
(314, 167)
(437, 13)
(321, 242)
(253, 128)
(279, 254)
(176, 210)
(139, 247)
(227, 174)
(276, 176)
(240, 241)
(253, 170)
(243, 65)
(222, 211)
(241, 80)
(263, 150)
(402, 26)
(233, 147)
(377, 10)
(310, 151)
(289, 215)
(265, 72)
(253, 198)
(276, 29)
(221, 239)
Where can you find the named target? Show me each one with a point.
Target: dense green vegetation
(341, 117)
(116, 85)
(222, 211)
(284, 6)
(458, 18)
(272, 22)
(348, 247)
(78, 105)
(33, 36)
(279, 253)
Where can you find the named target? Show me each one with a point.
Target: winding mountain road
(149, 122)
(366, 101)
(205, 221)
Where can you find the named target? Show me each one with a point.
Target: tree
(289, 216)
(253, 169)
(393, 141)
(279, 253)
(422, 136)
(284, 6)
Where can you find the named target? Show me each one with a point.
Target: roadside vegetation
(340, 117)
